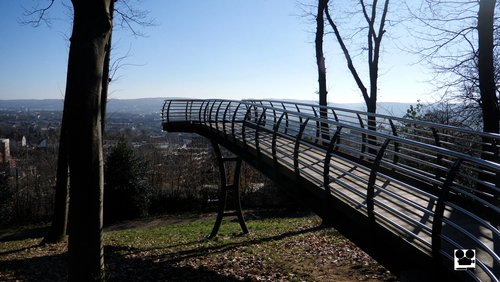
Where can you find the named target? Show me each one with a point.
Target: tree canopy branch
(350, 64)
(36, 16)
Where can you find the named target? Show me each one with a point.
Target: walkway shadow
(148, 268)
(172, 258)
(45, 268)
(32, 233)
(118, 268)
(268, 214)
(130, 264)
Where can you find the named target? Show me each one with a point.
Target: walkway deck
(408, 193)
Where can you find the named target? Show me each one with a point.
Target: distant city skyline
(201, 49)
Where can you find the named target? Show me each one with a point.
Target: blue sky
(229, 49)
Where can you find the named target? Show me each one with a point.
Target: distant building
(5, 151)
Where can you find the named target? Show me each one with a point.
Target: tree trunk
(320, 61)
(371, 107)
(105, 76)
(489, 100)
(487, 87)
(57, 231)
(58, 228)
(91, 30)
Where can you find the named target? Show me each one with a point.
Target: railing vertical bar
(217, 116)
(224, 119)
(370, 189)
(286, 117)
(233, 122)
(168, 111)
(298, 111)
(199, 112)
(210, 120)
(395, 157)
(273, 143)
(318, 126)
(191, 111)
(328, 158)
(437, 222)
(257, 131)
(439, 157)
(274, 112)
(363, 136)
(206, 121)
(248, 114)
(335, 115)
(297, 146)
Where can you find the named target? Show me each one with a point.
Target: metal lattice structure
(409, 193)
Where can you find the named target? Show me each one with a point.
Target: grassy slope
(280, 247)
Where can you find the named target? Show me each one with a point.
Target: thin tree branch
(131, 18)
(350, 64)
(36, 16)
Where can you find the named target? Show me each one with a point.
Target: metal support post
(228, 189)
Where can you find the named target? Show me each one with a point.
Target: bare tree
(92, 27)
(320, 59)
(374, 41)
(81, 138)
(486, 69)
(460, 40)
(129, 18)
(57, 232)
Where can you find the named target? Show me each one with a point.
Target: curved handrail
(388, 117)
(433, 174)
(411, 128)
(302, 115)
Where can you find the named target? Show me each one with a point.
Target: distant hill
(384, 108)
(31, 105)
(138, 106)
(154, 105)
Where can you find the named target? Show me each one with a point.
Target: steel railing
(451, 137)
(438, 195)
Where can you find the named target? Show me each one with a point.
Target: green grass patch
(280, 247)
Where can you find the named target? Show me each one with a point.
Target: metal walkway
(408, 193)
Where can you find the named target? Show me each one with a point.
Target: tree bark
(487, 87)
(486, 69)
(58, 228)
(350, 64)
(91, 31)
(374, 41)
(105, 77)
(320, 59)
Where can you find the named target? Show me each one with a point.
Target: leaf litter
(280, 248)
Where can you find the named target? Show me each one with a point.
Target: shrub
(6, 198)
(126, 190)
